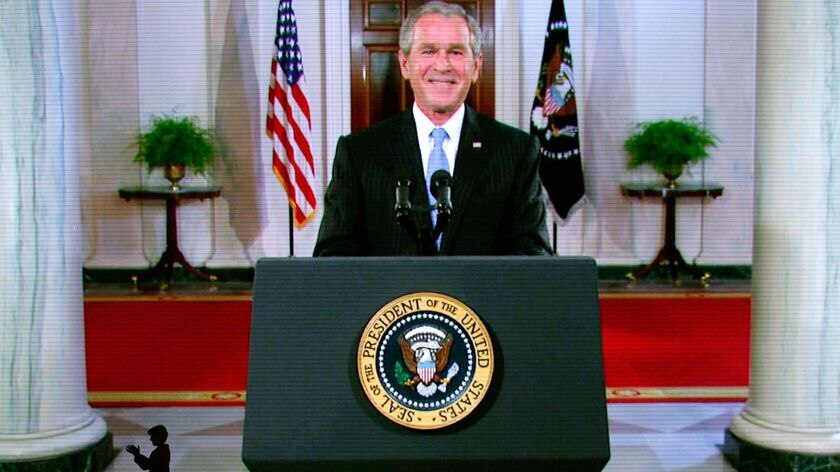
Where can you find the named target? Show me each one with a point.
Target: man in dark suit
(158, 460)
(497, 208)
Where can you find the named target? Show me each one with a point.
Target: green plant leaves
(669, 145)
(176, 140)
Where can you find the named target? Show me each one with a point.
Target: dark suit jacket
(158, 460)
(496, 195)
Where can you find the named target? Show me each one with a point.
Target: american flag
(289, 122)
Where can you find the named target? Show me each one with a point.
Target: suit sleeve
(342, 227)
(142, 461)
(528, 231)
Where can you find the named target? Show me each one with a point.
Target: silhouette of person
(158, 460)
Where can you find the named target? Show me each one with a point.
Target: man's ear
(403, 59)
(478, 61)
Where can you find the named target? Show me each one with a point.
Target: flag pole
(289, 122)
(291, 234)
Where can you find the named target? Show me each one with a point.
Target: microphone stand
(440, 225)
(405, 214)
(441, 183)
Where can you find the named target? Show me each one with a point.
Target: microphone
(441, 183)
(402, 207)
(404, 213)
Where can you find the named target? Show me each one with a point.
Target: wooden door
(377, 87)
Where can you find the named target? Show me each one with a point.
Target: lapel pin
(476, 144)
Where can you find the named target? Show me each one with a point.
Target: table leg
(178, 257)
(693, 270)
(164, 266)
(172, 254)
(670, 246)
(669, 252)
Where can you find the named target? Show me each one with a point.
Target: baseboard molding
(124, 274)
(246, 274)
(718, 272)
(239, 397)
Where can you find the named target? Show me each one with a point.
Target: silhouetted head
(158, 434)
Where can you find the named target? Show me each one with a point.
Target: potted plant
(668, 146)
(176, 144)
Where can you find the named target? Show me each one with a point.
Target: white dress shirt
(450, 144)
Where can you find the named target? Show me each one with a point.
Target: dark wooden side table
(669, 195)
(172, 254)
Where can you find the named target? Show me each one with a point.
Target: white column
(794, 403)
(43, 397)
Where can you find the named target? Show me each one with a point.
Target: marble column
(45, 420)
(792, 418)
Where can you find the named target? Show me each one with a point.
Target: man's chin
(445, 106)
(441, 108)
(443, 111)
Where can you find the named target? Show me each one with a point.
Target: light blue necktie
(437, 160)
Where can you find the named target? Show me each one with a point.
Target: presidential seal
(425, 360)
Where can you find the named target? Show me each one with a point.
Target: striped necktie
(437, 159)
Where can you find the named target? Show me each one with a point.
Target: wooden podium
(545, 408)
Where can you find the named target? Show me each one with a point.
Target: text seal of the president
(425, 360)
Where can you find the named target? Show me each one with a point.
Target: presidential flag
(554, 117)
(289, 122)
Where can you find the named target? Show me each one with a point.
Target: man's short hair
(158, 432)
(440, 8)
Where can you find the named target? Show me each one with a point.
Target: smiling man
(440, 64)
(496, 203)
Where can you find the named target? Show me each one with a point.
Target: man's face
(440, 66)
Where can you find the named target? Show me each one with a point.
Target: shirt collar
(452, 126)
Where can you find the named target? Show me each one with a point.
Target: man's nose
(442, 60)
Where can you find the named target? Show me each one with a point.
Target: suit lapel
(409, 164)
(402, 160)
(468, 166)
(407, 157)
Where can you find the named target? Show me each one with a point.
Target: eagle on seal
(425, 355)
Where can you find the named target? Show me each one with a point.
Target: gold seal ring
(425, 360)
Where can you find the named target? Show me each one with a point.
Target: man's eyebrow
(438, 46)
